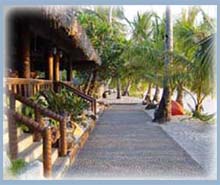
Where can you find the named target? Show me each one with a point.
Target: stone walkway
(126, 145)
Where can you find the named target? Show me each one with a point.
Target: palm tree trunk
(118, 88)
(179, 97)
(127, 88)
(163, 113)
(156, 95)
(148, 94)
(92, 86)
(199, 107)
(87, 85)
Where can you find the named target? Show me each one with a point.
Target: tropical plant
(64, 102)
(163, 113)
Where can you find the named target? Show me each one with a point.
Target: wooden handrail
(48, 113)
(44, 131)
(26, 120)
(76, 91)
(44, 111)
(39, 129)
(25, 81)
(79, 93)
(26, 87)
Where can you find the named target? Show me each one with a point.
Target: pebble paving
(126, 145)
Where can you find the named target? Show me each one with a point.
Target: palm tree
(195, 42)
(163, 113)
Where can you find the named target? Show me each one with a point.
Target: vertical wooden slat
(13, 88)
(20, 89)
(38, 87)
(34, 88)
(25, 90)
(9, 87)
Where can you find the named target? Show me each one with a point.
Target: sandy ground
(199, 139)
(111, 99)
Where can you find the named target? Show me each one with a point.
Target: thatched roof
(73, 29)
(64, 31)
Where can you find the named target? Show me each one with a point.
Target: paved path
(125, 144)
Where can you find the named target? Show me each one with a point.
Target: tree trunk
(118, 88)
(92, 86)
(147, 98)
(179, 97)
(87, 85)
(127, 88)
(163, 113)
(156, 95)
(199, 107)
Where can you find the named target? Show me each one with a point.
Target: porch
(43, 55)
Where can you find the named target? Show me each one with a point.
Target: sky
(131, 10)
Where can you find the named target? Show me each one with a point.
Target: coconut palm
(194, 41)
(163, 113)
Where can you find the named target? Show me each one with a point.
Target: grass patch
(17, 167)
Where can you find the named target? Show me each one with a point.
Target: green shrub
(203, 116)
(17, 166)
(64, 102)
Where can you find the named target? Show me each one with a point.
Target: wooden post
(57, 68)
(70, 72)
(47, 152)
(25, 52)
(50, 66)
(38, 118)
(63, 139)
(12, 131)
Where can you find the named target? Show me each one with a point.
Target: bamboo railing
(44, 131)
(27, 87)
(40, 130)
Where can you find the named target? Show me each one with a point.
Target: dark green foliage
(62, 103)
(107, 37)
(29, 112)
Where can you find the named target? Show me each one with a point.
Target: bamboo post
(12, 129)
(63, 139)
(57, 68)
(38, 118)
(47, 152)
(25, 52)
(50, 65)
